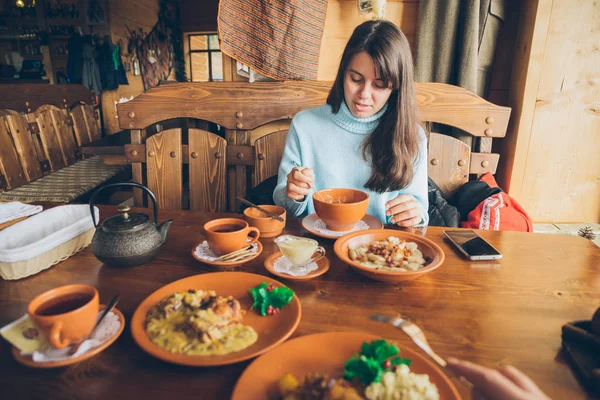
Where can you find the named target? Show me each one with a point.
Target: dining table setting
(157, 303)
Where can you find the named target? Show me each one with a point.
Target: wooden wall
(342, 18)
(134, 14)
(551, 156)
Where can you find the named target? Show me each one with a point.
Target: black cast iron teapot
(126, 240)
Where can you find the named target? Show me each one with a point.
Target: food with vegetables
(199, 322)
(391, 254)
(270, 299)
(376, 373)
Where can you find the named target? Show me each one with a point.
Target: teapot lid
(125, 221)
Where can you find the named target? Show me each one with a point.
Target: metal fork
(415, 333)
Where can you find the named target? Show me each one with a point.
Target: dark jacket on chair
(440, 212)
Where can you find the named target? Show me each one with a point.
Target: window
(206, 59)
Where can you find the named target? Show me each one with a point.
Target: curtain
(456, 43)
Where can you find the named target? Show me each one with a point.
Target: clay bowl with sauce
(268, 227)
(340, 209)
(432, 253)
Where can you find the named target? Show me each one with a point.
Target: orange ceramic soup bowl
(268, 227)
(340, 209)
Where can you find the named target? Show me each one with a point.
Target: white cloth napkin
(14, 210)
(107, 329)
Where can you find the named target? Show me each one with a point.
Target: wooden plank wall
(135, 14)
(342, 18)
(552, 166)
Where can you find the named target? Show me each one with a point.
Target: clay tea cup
(226, 235)
(65, 315)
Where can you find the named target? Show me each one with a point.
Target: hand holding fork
(507, 383)
(417, 336)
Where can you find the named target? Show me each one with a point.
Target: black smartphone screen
(472, 243)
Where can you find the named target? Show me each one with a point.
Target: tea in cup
(65, 315)
(299, 251)
(226, 235)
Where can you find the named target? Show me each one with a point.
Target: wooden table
(492, 313)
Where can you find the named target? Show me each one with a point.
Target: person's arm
(507, 383)
(291, 154)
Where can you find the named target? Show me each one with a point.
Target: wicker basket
(25, 268)
(44, 240)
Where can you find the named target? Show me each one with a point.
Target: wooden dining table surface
(507, 311)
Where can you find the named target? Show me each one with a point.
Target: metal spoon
(312, 187)
(109, 307)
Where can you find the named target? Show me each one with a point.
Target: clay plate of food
(389, 255)
(207, 320)
(281, 373)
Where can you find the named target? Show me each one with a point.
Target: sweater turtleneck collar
(360, 126)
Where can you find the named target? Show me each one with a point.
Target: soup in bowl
(340, 209)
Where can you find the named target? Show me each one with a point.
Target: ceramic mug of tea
(226, 235)
(299, 251)
(65, 315)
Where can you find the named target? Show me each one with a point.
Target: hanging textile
(456, 41)
(91, 72)
(278, 39)
(112, 73)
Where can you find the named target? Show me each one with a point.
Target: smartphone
(472, 245)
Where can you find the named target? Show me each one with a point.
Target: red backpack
(498, 212)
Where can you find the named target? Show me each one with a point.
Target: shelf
(11, 39)
(63, 21)
(32, 57)
(60, 37)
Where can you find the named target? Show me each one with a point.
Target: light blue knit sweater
(330, 144)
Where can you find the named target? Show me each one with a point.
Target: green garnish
(373, 361)
(268, 299)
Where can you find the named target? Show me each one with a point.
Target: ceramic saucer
(226, 264)
(28, 361)
(309, 224)
(322, 264)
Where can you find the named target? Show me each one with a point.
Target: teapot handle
(133, 184)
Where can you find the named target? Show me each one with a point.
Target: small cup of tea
(65, 315)
(225, 235)
(299, 251)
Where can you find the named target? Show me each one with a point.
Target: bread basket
(44, 240)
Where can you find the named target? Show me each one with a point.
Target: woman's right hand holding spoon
(300, 180)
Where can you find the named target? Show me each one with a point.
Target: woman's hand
(405, 210)
(299, 182)
(507, 383)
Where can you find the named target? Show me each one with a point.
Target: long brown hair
(393, 146)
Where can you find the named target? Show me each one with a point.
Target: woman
(366, 137)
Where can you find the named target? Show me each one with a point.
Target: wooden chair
(256, 118)
(11, 172)
(48, 155)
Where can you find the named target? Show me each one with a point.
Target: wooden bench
(216, 168)
(39, 150)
